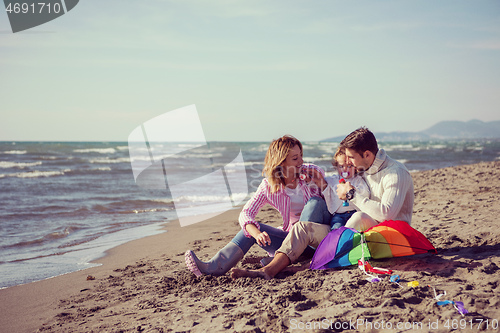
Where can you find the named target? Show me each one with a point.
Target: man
(391, 198)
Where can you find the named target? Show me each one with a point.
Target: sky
(255, 70)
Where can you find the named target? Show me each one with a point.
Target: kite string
(436, 296)
(362, 240)
(362, 266)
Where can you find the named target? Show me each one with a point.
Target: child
(341, 210)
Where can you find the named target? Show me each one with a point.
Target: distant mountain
(444, 130)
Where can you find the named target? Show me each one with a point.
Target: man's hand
(342, 190)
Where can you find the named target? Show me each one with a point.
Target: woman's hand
(263, 239)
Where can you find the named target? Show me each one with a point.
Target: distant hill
(444, 130)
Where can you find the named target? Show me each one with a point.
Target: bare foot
(239, 273)
(295, 269)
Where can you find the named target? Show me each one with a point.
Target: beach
(144, 285)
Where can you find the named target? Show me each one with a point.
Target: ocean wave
(133, 206)
(15, 152)
(438, 146)
(54, 173)
(38, 174)
(140, 203)
(234, 165)
(162, 201)
(317, 159)
(402, 147)
(472, 148)
(311, 146)
(328, 144)
(52, 209)
(7, 165)
(183, 155)
(145, 157)
(86, 171)
(105, 209)
(55, 235)
(108, 160)
(260, 148)
(188, 145)
(209, 198)
(96, 150)
(330, 148)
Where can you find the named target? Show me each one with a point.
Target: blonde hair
(340, 152)
(276, 154)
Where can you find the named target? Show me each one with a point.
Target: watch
(349, 195)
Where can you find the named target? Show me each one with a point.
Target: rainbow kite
(345, 246)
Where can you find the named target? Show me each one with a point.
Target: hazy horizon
(264, 141)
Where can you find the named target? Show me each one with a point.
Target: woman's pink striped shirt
(279, 200)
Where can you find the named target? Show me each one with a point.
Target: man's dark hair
(360, 141)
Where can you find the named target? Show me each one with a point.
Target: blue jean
(276, 235)
(316, 210)
(340, 219)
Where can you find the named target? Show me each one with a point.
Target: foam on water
(9, 165)
(96, 150)
(37, 174)
(15, 152)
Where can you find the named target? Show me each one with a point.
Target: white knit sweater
(391, 190)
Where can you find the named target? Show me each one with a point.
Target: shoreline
(98, 249)
(19, 299)
(94, 250)
(144, 284)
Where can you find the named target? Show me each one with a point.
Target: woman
(281, 188)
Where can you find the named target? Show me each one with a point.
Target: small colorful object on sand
(365, 267)
(413, 284)
(395, 279)
(369, 268)
(457, 305)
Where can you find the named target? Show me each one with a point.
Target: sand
(144, 286)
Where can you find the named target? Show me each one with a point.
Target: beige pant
(361, 221)
(300, 236)
(303, 234)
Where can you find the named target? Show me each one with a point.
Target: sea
(64, 204)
